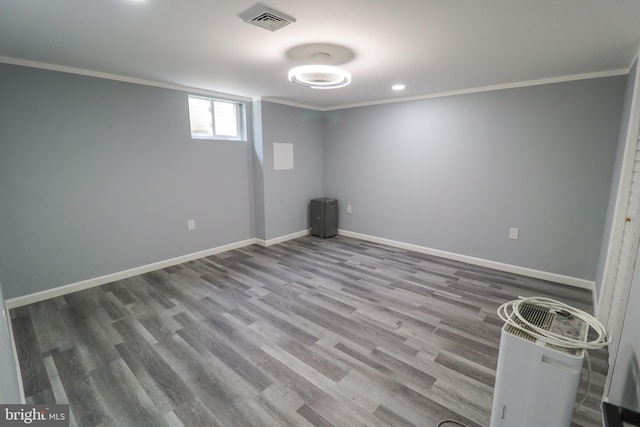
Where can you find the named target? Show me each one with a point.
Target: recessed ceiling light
(398, 87)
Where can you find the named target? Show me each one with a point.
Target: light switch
(513, 233)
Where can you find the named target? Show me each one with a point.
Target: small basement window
(216, 119)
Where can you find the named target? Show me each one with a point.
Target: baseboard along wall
(509, 268)
(97, 281)
(112, 277)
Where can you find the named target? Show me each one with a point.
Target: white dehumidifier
(537, 376)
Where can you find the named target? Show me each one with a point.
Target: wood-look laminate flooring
(322, 332)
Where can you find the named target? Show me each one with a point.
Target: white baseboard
(112, 277)
(15, 355)
(596, 306)
(524, 271)
(97, 281)
(281, 239)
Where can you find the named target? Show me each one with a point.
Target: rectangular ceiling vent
(265, 17)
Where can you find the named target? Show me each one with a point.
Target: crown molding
(289, 103)
(116, 77)
(539, 82)
(199, 91)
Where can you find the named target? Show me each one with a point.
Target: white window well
(216, 119)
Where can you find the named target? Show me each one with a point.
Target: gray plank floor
(312, 331)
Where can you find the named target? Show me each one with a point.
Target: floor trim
(97, 281)
(281, 239)
(509, 268)
(14, 350)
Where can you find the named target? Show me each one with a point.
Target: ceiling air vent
(265, 17)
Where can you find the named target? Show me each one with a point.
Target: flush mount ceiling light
(319, 75)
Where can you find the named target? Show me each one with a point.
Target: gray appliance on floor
(324, 217)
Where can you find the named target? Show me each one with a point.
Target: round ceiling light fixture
(320, 75)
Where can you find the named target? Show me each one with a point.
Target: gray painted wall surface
(99, 176)
(258, 171)
(617, 170)
(287, 192)
(9, 389)
(456, 173)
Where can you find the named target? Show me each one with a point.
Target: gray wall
(9, 389)
(99, 176)
(258, 171)
(455, 173)
(287, 193)
(617, 170)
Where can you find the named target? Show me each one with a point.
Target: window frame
(240, 113)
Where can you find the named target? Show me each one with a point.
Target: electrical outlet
(513, 233)
(348, 209)
(191, 224)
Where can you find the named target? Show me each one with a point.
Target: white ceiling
(431, 46)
